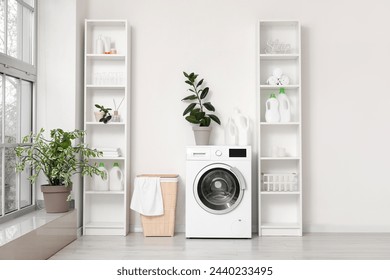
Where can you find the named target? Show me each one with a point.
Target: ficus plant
(197, 112)
(56, 156)
(106, 113)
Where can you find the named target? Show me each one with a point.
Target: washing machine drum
(219, 188)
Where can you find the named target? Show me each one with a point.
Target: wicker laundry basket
(163, 225)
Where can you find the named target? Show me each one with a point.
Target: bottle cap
(116, 164)
(281, 90)
(101, 164)
(272, 95)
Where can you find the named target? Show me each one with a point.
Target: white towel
(147, 197)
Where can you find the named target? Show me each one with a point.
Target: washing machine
(218, 192)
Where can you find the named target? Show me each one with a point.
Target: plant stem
(197, 95)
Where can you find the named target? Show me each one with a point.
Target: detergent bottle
(243, 124)
(116, 178)
(284, 106)
(99, 183)
(231, 133)
(272, 114)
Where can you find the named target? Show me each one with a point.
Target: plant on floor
(56, 158)
(197, 109)
(106, 117)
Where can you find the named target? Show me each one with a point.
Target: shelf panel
(281, 225)
(104, 225)
(280, 158)
(280, 193)
(106, 56)
(278, 87)
(106, 124)
(280, 123)
(105, 192)
(278, 56)
(107, 158)
(106, 86)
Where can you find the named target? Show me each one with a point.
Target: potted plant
(197, 111)
(58, 160)
(103, 115)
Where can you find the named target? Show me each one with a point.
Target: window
(17, 83)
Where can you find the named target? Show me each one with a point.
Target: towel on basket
(147, 197)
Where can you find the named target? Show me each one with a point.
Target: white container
(107, 45)
(231, 133)
(284, 106)
(100, 184)
(99, 45)
(243, 124)
(116, 178)
(272, 114)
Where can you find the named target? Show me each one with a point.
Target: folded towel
(147, 198)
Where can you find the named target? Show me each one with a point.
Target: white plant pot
(202, 134)
(98, 116)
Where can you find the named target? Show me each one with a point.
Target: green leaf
(208, 106)
(205, 91)
(192, 119)
(189, 97)
(199, 83)
(194, 111)
(199, 115)
(185, 74)
(189, 82)
(215, 118)
(189, 108)
(205, 121)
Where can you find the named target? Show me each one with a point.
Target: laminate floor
(319, 246)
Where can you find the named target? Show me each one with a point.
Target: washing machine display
(218, 189)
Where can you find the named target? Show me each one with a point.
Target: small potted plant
(197, 112)
(58, 160)
(103, 115)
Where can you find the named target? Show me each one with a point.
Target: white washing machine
(218, 192)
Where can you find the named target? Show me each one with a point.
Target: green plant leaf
(199, 115)
(214, 118)
(190, 97)
(192, 119)
(208, 106)
(204, 93)
(199, 83)
(189, 108)
(185, 74)
(189, 82)
(205, 121)
(194, 111)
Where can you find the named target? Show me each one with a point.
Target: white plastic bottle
(99, 45)
(272, 114)
(242, 123)
(284, 106)
(101, 184)
(231, 133)
(116, 178)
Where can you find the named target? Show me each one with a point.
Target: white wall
(345, 54)
(60, 72)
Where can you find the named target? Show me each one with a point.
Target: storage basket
(163, 225)
(287, 182)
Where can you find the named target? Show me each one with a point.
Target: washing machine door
(219, 188)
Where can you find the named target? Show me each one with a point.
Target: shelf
(280, 158)
(279, 193)
(105, 192)
(105, 124)
(104, 225)
(282, 225)
(288, 123)
(278, 87)
(106, 86)
(106, 56)
(278, 56)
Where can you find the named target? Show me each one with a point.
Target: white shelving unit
(106, 78)
(280, 210)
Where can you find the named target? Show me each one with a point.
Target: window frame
(17, 68)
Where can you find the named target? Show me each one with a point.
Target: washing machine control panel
(218, 153)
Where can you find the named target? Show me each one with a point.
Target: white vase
(202, 134)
